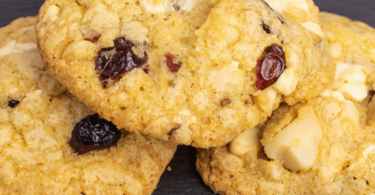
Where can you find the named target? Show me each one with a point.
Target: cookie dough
(184, 71)
(37, 116)
(324, 146)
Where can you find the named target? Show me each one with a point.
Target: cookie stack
(275, 96)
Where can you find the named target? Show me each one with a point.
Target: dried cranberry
(270, 66)
(13, 103)
(93, 133)
(94, 39)
(266, 28)
(172, 63)
(146, 69)
(113, 62)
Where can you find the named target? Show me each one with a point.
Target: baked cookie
(352, 45)
(193, 72)
(325, 146)
(37, 116)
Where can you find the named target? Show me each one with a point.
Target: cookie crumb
(169, 168)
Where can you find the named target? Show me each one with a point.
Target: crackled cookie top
(325, 146)
(192, 72)
(37, 117)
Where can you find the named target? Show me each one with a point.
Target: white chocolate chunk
(14, 47)
(368, 150)
(232, 34)
(335, 94)
(296, 146)
(353, 74)
(351, 112)
(354, 92)
(79, 50)
(313, 27)
(281, 5)
(369, 68)
(287, 82)
(51, 14)
(267, 104)
(338, 95)
(184, 5)
(243, 143)
(153, 6)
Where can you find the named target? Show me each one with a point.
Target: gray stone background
(184, 179)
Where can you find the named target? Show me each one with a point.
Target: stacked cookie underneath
(37, 117)
(323, 146)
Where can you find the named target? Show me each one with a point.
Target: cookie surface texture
(324, 146)
(37, 116)
(183, 71)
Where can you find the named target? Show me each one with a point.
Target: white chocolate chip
(353, 74)
(354, 92)
(281, 5)
(243, 143)
(369, 149)
(14, 47)
(153, 6)
(296, 146)
(336, 50)
(313, 27)
(232, 34)
(51, 14)
(79, 50)
(266, 100)
(351, 112)
(287, 82)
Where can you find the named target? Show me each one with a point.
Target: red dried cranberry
(270, 66)
(94, 39)
(13, 103)
(172, 63)
(113, 62)
(93, 133)
(266, 28)
(146, 69)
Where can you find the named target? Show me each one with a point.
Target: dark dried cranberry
(13, 103)
(173, 130)
(270, 66)
(93, 133)
(266, 28)
(94, 39)
(172, 62)
(146, 69)
(113, 62)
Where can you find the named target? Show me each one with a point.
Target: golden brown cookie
(37, 116)
(192, 72)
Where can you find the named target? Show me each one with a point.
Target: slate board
(184, 179)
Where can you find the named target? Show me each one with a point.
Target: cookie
(191, 72)
(324, 146)
(352, 45)
(37, 117)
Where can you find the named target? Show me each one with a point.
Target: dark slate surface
(183, 179)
